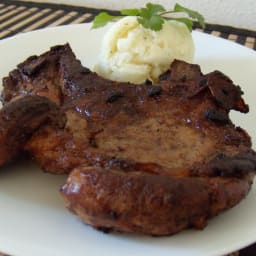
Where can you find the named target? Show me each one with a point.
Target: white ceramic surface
(33, 218)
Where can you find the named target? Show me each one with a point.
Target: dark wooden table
(20, 17)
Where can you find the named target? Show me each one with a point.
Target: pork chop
(152, 159)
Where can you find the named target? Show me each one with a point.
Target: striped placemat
(20, 17)
(17, 17)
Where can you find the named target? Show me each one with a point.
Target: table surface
(20, 17)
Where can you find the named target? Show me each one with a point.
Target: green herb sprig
(153, 16)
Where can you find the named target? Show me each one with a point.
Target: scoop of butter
(131, 53)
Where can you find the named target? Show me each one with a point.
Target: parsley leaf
(130, 12)
(154, 22)
(187, 22)
(153, 16)
(192, 14)
(149, 17)
(152, 9)
(102, 19)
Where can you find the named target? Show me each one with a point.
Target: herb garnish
(153, 16)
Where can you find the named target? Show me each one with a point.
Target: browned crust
(151, 159)
(149, 204)
(20, 119)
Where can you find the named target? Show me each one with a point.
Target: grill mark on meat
(235, 166)
(32, 66)
(154, 91)
(215, 115)
(92, 138)
(114, 96)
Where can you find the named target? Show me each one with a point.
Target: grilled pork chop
(152, 159)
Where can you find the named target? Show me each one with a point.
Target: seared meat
(147, 203)
(56, 74)
(36, 76)
(146, 159)
(20, 119)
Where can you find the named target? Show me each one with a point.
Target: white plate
(33, 219)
